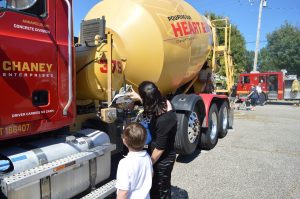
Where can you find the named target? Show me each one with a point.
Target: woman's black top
(163, 129)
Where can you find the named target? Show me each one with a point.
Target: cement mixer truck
(64, 104)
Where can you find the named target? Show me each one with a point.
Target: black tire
(223, 120)
(188, 132)
(209, 137)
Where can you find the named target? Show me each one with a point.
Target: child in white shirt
(134, 174)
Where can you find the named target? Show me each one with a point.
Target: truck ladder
(18, 180)
(223, 50)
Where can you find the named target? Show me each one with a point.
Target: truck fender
(183, 102)
(186, 103)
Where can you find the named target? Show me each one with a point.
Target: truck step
(103, 191)
(15, 181)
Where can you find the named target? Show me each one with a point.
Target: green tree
(282, 50)
(249, 61)
(238, 49)
(264, 61)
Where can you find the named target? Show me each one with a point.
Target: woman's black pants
(161, 183)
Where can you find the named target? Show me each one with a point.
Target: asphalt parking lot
(259, 158)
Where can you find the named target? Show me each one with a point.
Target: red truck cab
(34, 61)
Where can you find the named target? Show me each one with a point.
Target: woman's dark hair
(154, 103)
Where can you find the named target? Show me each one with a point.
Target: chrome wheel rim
(193, 127)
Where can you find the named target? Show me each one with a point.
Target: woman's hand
(156, 155)
(135, 96)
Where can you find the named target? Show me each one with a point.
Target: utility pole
(263, 3)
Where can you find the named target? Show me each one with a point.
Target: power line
(283, 9)
(249, 42)
(251, 2)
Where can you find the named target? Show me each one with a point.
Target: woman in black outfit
(163, 126)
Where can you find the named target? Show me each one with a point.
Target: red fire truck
(275, 85)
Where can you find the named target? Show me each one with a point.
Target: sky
(242, 13)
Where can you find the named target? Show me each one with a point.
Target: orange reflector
(59, 168)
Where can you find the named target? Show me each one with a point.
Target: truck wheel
(223, 120)
(209, 137)
(188, 131)
(293, 94)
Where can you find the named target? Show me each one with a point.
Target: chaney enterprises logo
(23, 69)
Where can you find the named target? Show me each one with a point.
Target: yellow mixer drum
(164, 41)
